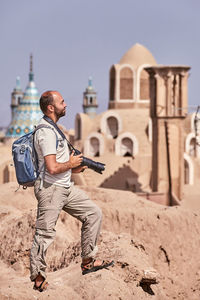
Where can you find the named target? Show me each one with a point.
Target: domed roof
(137, 56)
(28, 113)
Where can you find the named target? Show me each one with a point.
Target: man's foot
(92, 265)
(40, 283)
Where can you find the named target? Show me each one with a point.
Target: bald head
(53, 105)
(46, 99)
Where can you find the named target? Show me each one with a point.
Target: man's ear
(50, 108)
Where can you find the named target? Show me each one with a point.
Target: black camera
(91, 164)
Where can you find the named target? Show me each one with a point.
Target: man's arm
(55, 167)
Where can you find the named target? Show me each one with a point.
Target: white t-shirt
(45, 144)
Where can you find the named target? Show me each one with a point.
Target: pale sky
(74, 39)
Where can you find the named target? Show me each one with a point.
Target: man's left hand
(79, 169)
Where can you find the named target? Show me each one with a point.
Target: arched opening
(144, 85)
(111, 124)
(186, 172)
(126, 147)
(78, 128)
(112, 127)
(94, 147)
(19, 100)
(192, 149)
(126, 83)
(112, 83)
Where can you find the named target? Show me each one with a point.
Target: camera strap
(59, 131)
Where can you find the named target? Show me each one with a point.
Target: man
(55, 192)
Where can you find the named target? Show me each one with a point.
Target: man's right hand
(75, 160)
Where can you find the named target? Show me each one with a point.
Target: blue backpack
(25, 158)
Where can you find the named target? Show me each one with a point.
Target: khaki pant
(51, 200)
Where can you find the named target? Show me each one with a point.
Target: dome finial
(31, 75)
(31, 63)
(18, 86)
(90, 82)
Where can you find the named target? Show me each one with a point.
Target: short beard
(59, 114)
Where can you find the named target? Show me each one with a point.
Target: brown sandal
(88, 268)
(42, 287)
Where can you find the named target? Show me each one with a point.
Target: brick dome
(137, 56)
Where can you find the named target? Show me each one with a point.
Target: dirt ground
(147, 241)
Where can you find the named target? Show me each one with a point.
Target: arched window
(188, 169)
(111, 124)
(112, 83)
(126, 147)
(94, 146)
(192, 150)
(112, 127)
(19, 100)
(126, 84)
(78, 128)
(186, 172)
(144, 85)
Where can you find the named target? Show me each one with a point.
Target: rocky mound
(155, 249)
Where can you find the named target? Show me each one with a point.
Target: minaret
(90, 100)
(27, 114)
(17, 96)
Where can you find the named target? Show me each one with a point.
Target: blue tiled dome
(27, 114)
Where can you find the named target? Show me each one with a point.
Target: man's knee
(98, 213)
(47, 220)
(93, 215)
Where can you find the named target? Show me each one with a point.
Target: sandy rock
(154, 248)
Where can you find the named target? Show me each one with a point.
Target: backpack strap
(59, 131)
(43, 165)
(46, 126)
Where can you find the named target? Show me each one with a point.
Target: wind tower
(168, 109)
(27, 114)
(90, 100)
